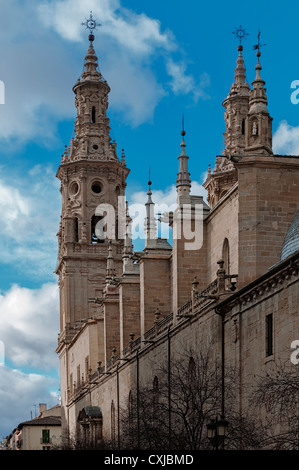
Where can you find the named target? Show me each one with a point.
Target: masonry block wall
(187, 263)
(155, 288)
(268, 202)
(111, 326)
(246, 334)
(129, 309)
(222, 224)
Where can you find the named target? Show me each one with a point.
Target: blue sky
(161, 59)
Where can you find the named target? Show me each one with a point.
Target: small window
(243, 126)
(46, 436)
(96, 187)
(93, 115)
(269, 334)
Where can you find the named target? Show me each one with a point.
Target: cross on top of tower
(91, 24)
(240, 34)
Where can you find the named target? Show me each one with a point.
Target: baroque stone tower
(236, 105)
(93, 181)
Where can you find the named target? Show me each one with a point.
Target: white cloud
(19, 392)
(30, 207)
(286, 139)
(37, 72)
(29, 321)
(41, 68)
(29, 326)
(139, 93)
(182, 83)
(135, 32)
(130, 43)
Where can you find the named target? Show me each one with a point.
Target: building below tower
(154, 345)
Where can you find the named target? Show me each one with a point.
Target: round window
(74, 187)
(96, 187)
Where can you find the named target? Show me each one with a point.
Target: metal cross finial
(258, 45)
(91, 23)
(240, 33)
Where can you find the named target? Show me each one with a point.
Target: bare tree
(277, 397)
(173, 411)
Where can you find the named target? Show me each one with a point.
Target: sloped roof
(46, 421)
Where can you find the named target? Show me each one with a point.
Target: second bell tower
(92, 178)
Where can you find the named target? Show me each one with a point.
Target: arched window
(97, 233)
(226, 255)
(93, 115)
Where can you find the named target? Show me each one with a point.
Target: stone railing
(132, 347)
(158, 328)
(93, 248)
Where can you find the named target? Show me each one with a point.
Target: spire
(150, 221)
(92, 139)
(91, 63)
(258, 100)
(236, 105)
(259, 122)
(183, 181)
(91, 58)
(240, 85)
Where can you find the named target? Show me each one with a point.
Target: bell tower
(236, 105)
(93, 182)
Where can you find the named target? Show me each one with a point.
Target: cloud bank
(43, 62)
(286, 139)
(30, 206)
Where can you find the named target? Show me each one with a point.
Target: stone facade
(120, 310)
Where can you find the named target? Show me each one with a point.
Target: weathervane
(240, 33)
(91, 23)
(258, 45)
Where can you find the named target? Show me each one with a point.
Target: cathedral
(236, 287)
